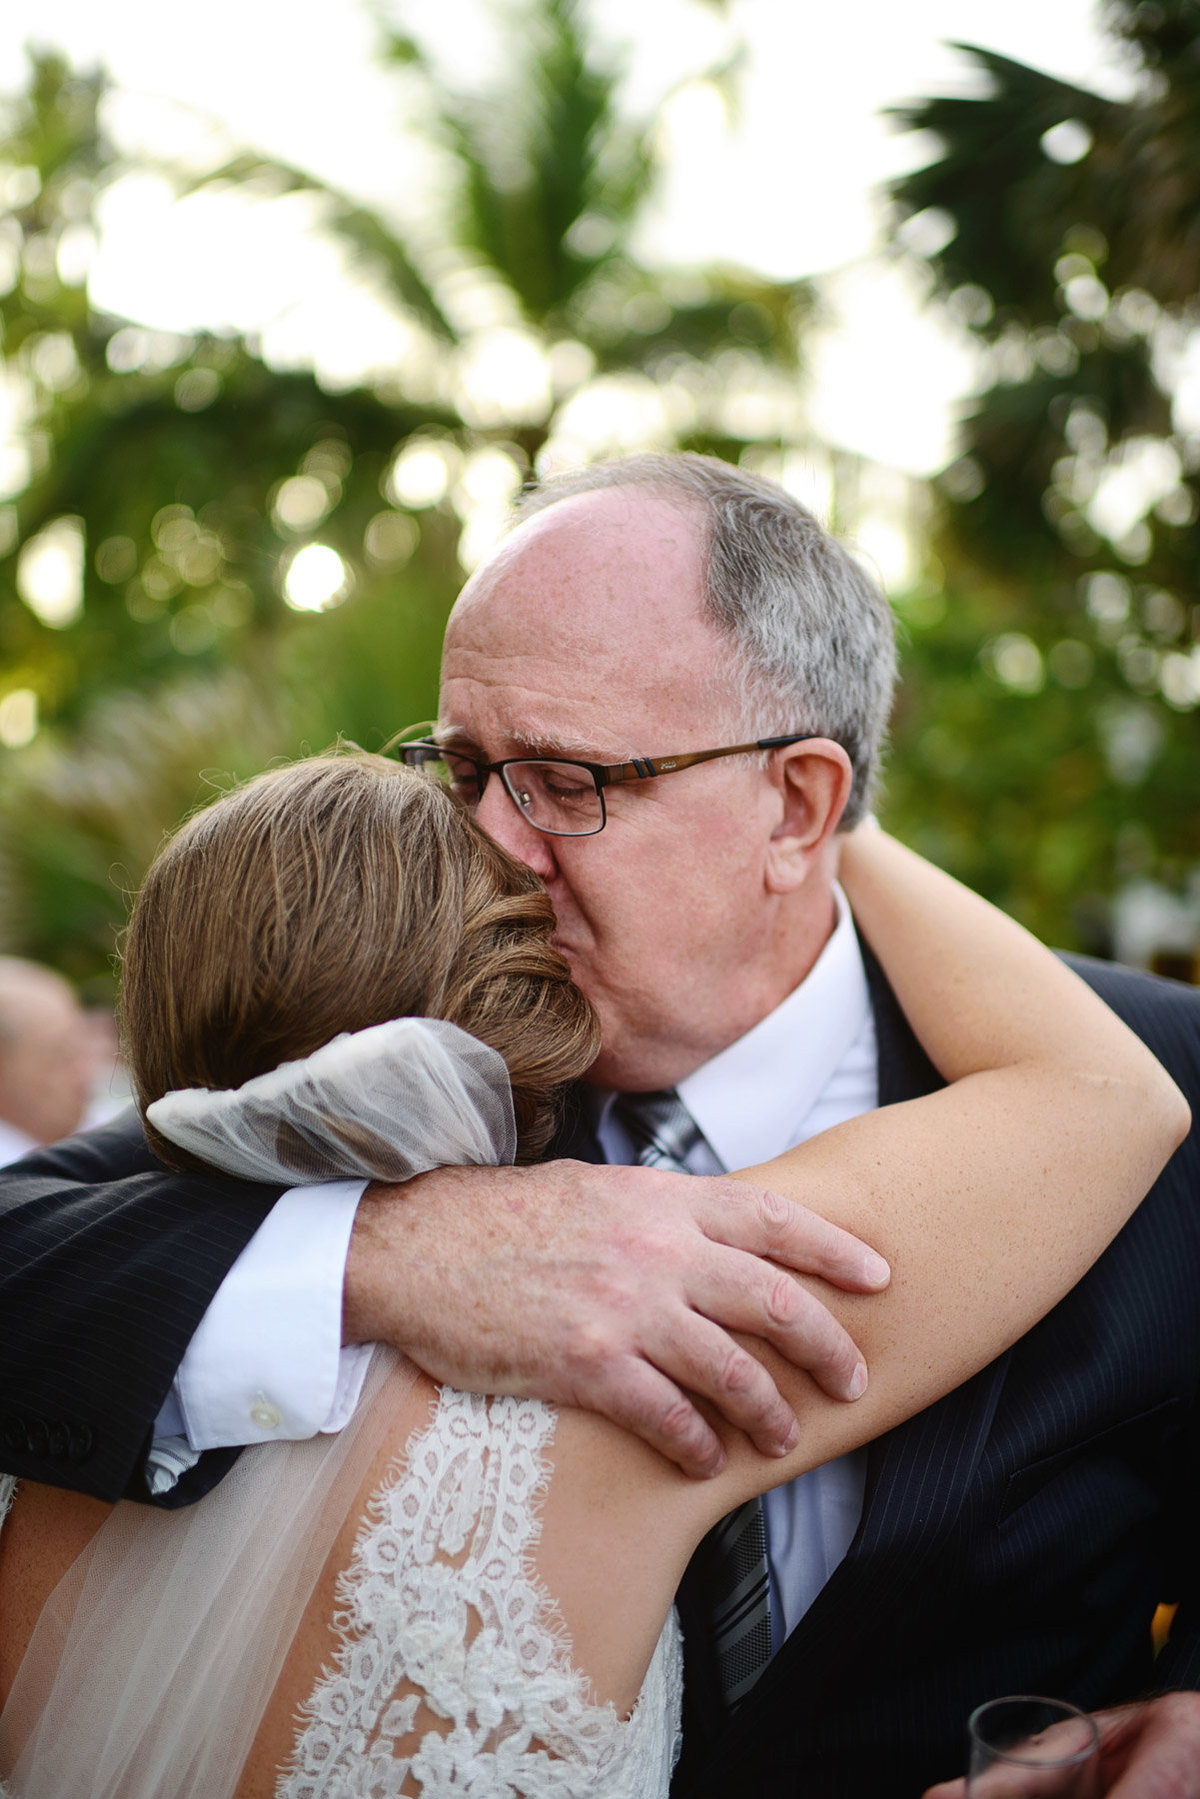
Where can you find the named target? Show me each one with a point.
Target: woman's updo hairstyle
(327, 896)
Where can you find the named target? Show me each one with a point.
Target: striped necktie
(733, 1556)
(663, 1131)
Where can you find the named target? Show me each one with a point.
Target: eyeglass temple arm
(642, 768)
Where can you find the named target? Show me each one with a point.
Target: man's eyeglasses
(558, 795)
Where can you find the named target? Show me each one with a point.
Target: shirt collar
(752, 1098)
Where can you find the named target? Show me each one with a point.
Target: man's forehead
(580, 552)
(585, 632)
(504, 721)
(565, 698)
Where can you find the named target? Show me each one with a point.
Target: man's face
(584, 636)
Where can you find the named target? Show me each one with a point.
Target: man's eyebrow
(539, 744)
(534, 743)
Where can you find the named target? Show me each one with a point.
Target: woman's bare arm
(990, 1199)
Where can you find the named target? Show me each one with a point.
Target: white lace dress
(454, 1675)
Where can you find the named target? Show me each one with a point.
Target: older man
(658, 693)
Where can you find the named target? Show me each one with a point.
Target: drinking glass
(1024, 1747)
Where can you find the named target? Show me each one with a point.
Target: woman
(459, 1590)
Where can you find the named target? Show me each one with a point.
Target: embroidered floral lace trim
(453, 1673)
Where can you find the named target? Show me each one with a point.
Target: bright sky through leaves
(786, 187)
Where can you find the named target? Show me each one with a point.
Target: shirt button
(265, 1415)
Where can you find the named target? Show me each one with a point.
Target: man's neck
(753, 1099)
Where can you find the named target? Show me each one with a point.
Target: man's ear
(813, 780)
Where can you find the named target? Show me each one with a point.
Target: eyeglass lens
(558, 797)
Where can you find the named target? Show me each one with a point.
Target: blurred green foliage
(147, 556)
(208, 562)
(1047, 743)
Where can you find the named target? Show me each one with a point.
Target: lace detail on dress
(453, 1674)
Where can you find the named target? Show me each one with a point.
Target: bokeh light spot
(116, 560)
(19, 187)
(1179, 678)
(18, 718)
(316, 580)
(54, 362)
(422, 472)
(300, 503)
(159, 580)
(172, 527)
(193, 630)
(1016, 662)
(1067, 142)
(196, 389)
(391, 538)
(50, 573)
(1071, 663)
(503, 378)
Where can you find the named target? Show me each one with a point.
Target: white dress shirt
(267, 1361)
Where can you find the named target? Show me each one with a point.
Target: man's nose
(498, 814)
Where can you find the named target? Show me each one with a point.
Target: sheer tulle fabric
(380, 1104)
(151, 1665)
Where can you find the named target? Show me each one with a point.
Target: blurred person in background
(47, 1058)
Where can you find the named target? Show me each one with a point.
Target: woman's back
(389, 1592)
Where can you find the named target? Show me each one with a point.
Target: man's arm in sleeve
(108, 1263)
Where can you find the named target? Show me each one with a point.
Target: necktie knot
(663, 1132)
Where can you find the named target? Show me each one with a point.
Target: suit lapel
(917, 1479)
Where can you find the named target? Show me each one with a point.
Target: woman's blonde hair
(331, 895)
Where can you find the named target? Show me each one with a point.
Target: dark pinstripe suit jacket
(1016, 1536)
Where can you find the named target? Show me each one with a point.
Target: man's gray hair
(812, 633)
